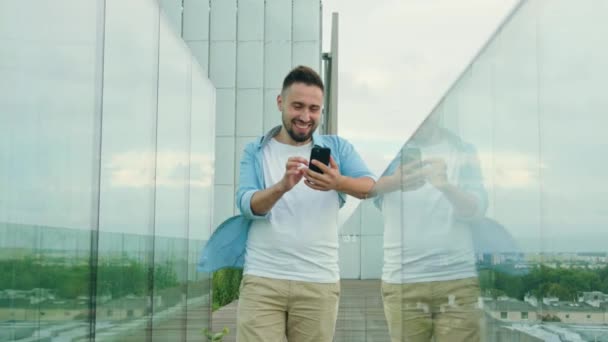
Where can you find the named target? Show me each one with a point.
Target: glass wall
(493, 221)
(106, 170)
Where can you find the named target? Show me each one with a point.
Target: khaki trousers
(271, 309)
(447, 310)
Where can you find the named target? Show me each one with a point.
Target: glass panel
(492, 211)
(572, 73)
(172, 182)
(201, 199)
(48, 137)
(128, 157)
(105, 198)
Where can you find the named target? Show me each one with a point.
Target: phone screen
(321, 154)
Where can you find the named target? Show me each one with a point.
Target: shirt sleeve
(248, 184)
(351, 164)
(390, 170)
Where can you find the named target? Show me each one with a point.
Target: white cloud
(511, 169)
(136, 169)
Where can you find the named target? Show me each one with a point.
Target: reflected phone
(411, 154)
(321, 154)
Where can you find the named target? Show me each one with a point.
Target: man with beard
(291, 283)
(430, 196)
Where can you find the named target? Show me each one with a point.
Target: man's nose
(305, 115)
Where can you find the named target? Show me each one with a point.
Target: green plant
(211, 336)
(226, 286)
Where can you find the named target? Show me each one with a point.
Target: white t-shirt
(299, 240)
(422, 239)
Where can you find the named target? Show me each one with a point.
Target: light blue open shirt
(226, 246)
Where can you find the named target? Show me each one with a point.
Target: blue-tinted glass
(493, 221)
(202, 137)
(98, 170)
(48, 126)
(128, 165)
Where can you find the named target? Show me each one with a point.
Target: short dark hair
(303, 74)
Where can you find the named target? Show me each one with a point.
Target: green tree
(226, 283)
(559, 291)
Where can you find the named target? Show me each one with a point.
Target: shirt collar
(316, 138)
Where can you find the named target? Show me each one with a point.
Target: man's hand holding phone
(294, 172)
(328, 180)
(411, 176)
(436, 172)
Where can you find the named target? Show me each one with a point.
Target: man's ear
(280, 103)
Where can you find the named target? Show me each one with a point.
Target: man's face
(301, 108)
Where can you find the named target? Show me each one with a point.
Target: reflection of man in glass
(428, 196)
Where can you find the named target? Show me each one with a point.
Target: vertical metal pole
(332, 119)
(96, 176)
(330, 74)
(326, 67)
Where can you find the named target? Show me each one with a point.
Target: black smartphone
(321, 154)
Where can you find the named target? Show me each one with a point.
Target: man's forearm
(262, 201)
(356, 187)
(385, 185)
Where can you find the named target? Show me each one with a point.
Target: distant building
(550, 300)
(511, 310)
(594, 298)
(551, 310)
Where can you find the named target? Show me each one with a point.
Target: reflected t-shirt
(299, 240)
(423, 241)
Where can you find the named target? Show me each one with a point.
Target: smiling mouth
(302, 125)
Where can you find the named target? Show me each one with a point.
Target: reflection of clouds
(412, 52)
(510, 169)
(513, 178)
(134, 169)
(495, 105)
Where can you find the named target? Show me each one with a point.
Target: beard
(299, 137)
